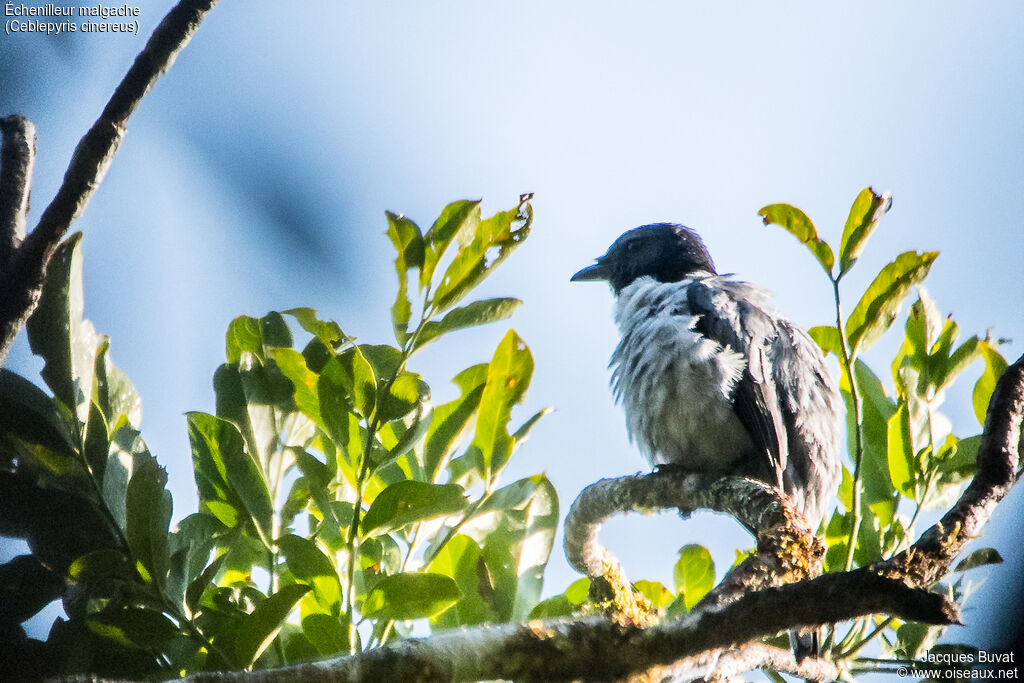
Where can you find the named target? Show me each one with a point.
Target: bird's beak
(598, 271)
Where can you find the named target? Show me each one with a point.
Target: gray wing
(730, 321)
(811, 406)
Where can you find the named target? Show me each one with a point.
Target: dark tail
(804, 643)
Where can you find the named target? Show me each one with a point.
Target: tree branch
(17, 157)
(897, 587)
(21, 282)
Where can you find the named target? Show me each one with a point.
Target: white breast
(673, 383)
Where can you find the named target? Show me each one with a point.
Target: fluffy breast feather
(673, 383)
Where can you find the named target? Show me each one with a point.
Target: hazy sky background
(255, 177)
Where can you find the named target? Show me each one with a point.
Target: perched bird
(712, 378)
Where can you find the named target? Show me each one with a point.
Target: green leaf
(408, 241)
(876, 410)
(229, 481)
(114, 392)
(516, 550)
(26, 586)
(694, 573)
(519, 436)
(508, 377)
(258, 629)
(407, 391)
(866, 212)
(995, 366)
(827, 339)
(308, 563)
(476, 313)
(329, 635)
(461, 559)
(457, 219)
(304, 382)
(957, 464)
(903, 468)
(256, 336)
(198, 586)
(327, 331)
(410, 596)
(148, 516)
(350, 375)
(796, 223)
(979, 558)
(655, 592)
(134, 627)
(412, 501)
(878, 307)
(30, 414)
(494, 239)
(59, 334)
(449, 421)
(913, 639)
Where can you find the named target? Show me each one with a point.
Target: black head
(665, 251)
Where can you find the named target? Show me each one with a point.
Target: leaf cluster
(337, 503)
(904, 455)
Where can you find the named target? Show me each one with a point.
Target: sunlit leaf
(309, 564)
(293, 366)
(346, 382)
(476, 313)
(655, 592)
(866, 212)
(878, 307)
(693, 573)
(449, 421)
(327, 331)
(257, 336)
(461, 559)
(995, 366)
(405, 236)
(516, 551)
(827, 338)
(494, 239)
(902, 463)
(796, 223)
(459, 218)
(508, 377)
(410, 596)
(412, 501)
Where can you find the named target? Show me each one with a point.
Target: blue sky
(256, 174)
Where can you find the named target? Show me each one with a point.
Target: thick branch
(17, 157)
(21, 283)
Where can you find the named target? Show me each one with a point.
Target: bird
(712, 378)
